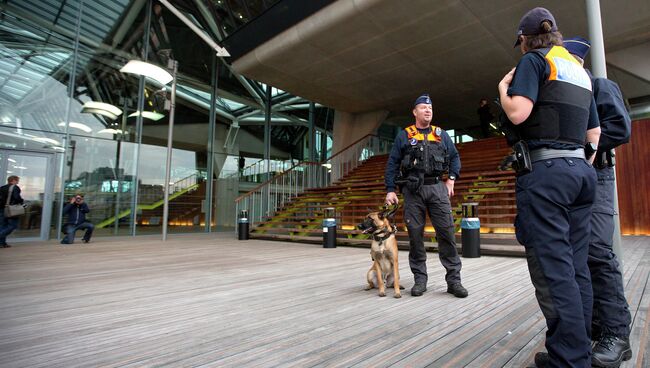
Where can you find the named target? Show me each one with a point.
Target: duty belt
(548, 153)
(431, 180)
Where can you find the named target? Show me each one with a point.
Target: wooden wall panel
(633, 180)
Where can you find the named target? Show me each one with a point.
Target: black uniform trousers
(434, 200)
(611, 314)
(553, 223)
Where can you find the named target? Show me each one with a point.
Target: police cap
(531, 23)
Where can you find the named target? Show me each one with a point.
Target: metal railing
(188, 181)
(266, 199)
(256, 172)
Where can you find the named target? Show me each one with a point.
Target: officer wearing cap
(549, 100)
(611, 315)
(428, 164)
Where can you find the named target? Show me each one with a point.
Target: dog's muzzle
(366, 228)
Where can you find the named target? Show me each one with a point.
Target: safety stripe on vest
(412, 132)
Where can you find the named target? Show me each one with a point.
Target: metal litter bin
(470, 226)
(243, 225)
(329, 228)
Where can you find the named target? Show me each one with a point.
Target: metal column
(138, 123)
(170, 140)
(211, 131)
(267, 147)
(598, 67)
(599, 70)
(71, 89)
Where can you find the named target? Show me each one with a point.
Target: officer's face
(423, 113)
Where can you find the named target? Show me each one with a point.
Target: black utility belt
(431, 180)
(522, 158)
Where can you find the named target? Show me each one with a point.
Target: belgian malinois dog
(383, 251)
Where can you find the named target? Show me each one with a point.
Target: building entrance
(36, 172)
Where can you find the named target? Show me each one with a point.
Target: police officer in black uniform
(422, 155)
(611, 314)
(549, 100)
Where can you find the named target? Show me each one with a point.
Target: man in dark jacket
(611, 315)
(8, 224)
(76, 211)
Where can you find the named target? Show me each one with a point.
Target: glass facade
(72, 122)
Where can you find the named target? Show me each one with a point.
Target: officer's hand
(450, 187)
(391, 198)
(507, 79)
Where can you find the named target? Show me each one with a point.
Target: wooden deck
(212, 301)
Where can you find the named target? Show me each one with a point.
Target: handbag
(13, 210)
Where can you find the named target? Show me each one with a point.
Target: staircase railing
(266, 199)
(176, 189)
(257, 170)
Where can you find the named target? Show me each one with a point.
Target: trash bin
(329, 228)
(243, 225)
(470, 227)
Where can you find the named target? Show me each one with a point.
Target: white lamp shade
(110, 131)
(151, 115)
(76, 125)
(148, 70)
(101, 108)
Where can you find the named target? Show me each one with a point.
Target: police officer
(611, 314)
(548, 98)
(424, 153)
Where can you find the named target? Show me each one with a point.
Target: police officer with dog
(611, 314)
(548, 100)
(424, 163)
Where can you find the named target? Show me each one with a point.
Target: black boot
(458, 290)
(418, 289)
(541, 359)
(610, 351)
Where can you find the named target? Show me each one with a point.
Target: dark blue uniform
(611, 314)
(434, 200)
(553, 210)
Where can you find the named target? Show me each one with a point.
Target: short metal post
(329, 228)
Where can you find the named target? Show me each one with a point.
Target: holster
(414, 183)
(522, 163)
(519, 160)
(605, 159)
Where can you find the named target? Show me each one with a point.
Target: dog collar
(383, 234)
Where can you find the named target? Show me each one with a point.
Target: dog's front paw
(382, 293)
(398, 295)
(368, 287)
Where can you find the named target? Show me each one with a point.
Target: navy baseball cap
(577, 46)
(530, 23)
(424, 99)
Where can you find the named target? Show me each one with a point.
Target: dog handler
(548, 98)
(424, 153)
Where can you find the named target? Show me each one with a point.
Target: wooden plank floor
(208, 300)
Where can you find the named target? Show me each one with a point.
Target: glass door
(36, 173)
